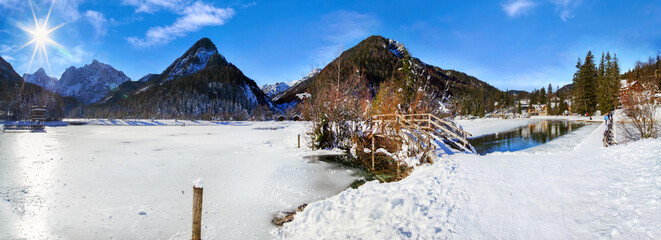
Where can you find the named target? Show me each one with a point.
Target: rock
(287, 216)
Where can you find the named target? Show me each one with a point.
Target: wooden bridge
(425, 129)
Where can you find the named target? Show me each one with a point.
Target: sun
(40, 37)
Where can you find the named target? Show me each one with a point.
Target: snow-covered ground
(110, 182)
(130, 182)
(569, 188)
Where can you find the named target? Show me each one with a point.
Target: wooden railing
(609, 136)
(425, 123)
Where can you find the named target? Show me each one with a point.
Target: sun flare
(40, 37)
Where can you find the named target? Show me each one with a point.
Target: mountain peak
(90, 83)
(205, 43)
(40, 71)
(195, 59)
(41, 78)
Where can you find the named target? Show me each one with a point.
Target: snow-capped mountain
(199, 84)
(42, 79)
(90, 83)
(195, 59)
(312, 74)
(273, 91)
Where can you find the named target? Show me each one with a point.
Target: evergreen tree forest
(596, 86)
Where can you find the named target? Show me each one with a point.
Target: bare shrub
(640, 110)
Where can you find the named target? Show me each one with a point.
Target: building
(627, 88)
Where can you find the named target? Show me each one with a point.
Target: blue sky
(511, 44)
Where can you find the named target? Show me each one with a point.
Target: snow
(570, 188)
(250, 96)
(142, 89)
(313, 73)
(198, 183)
(396, 48)
(189, 65)
(274, 89)
(304, 95)
(94, 182)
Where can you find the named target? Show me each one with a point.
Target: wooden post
(299, 140)
(372, 151)
(197, 212)
(397, 162)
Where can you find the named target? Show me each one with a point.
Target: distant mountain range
(201, 83)
(273, 91)
(87, 84)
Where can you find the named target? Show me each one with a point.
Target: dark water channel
(523, 137)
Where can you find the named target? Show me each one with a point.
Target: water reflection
(523, 137)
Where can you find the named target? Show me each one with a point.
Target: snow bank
(582, 191)
(419, 207)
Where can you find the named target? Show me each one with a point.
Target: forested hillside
(378, 60)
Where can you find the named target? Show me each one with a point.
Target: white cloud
(565, 8)
(192, 18)
(67, 9)
(98, 21)
(250, 4)
(9, 3)
(342, 26)
(7, 49)
(151, 6)
(515, 8)
(8, 58)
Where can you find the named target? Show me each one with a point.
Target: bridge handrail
(431, 119)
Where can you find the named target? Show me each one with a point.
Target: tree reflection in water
(523, 137)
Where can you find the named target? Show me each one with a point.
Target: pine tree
(613, 82)
(603, 85)
(578, 89)
(587, 78)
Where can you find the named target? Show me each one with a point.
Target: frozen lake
(91, 182)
